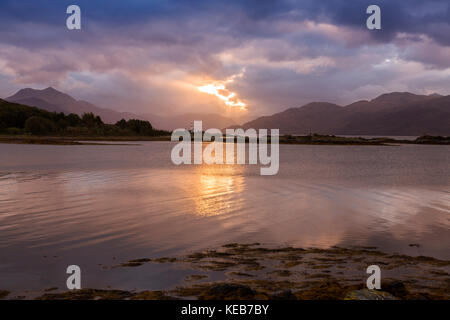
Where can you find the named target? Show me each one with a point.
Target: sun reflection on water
(218, 189)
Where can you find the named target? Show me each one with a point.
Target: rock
(396, 288)
(366, 294)
(3, 293)
(228, 291)
(152, 295)
(284, 295)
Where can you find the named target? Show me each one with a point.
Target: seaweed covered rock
(366, 294)
(227, 291)
(3, 293)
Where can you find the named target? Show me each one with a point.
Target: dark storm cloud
(34, 23)
(238, 16)
(293, 51)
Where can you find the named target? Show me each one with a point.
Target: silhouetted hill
(318, 116)
(397, 113)
(51, 100)
(388, 100)
(429, 116)
(36, 102)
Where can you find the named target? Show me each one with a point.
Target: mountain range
(53, 100)
(396, 113)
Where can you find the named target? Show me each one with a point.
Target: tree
(122, 124)
(39, 125)
(73, 119)
(136, 126)
(139, 126)
(92, 120)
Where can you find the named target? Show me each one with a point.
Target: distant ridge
(396, 113)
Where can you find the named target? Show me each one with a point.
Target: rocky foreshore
(252, 272)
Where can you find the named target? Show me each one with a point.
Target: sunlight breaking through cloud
(219, 89)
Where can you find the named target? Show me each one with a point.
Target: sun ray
(219, 89)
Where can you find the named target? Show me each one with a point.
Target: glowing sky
(219, 89)
(237, 58)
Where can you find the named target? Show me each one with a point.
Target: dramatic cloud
(178, 56)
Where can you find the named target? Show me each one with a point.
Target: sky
(232, 57)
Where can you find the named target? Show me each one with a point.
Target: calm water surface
(103, 205)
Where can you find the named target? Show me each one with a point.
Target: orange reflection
(218, 189)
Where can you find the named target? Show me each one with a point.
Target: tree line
(19, 119)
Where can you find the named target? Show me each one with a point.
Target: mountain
(427, 116)
(389, 100)
(36, 102)
(397, 113)
(51, 100)
(320, 117)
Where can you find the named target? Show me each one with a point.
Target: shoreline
(285, 139)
